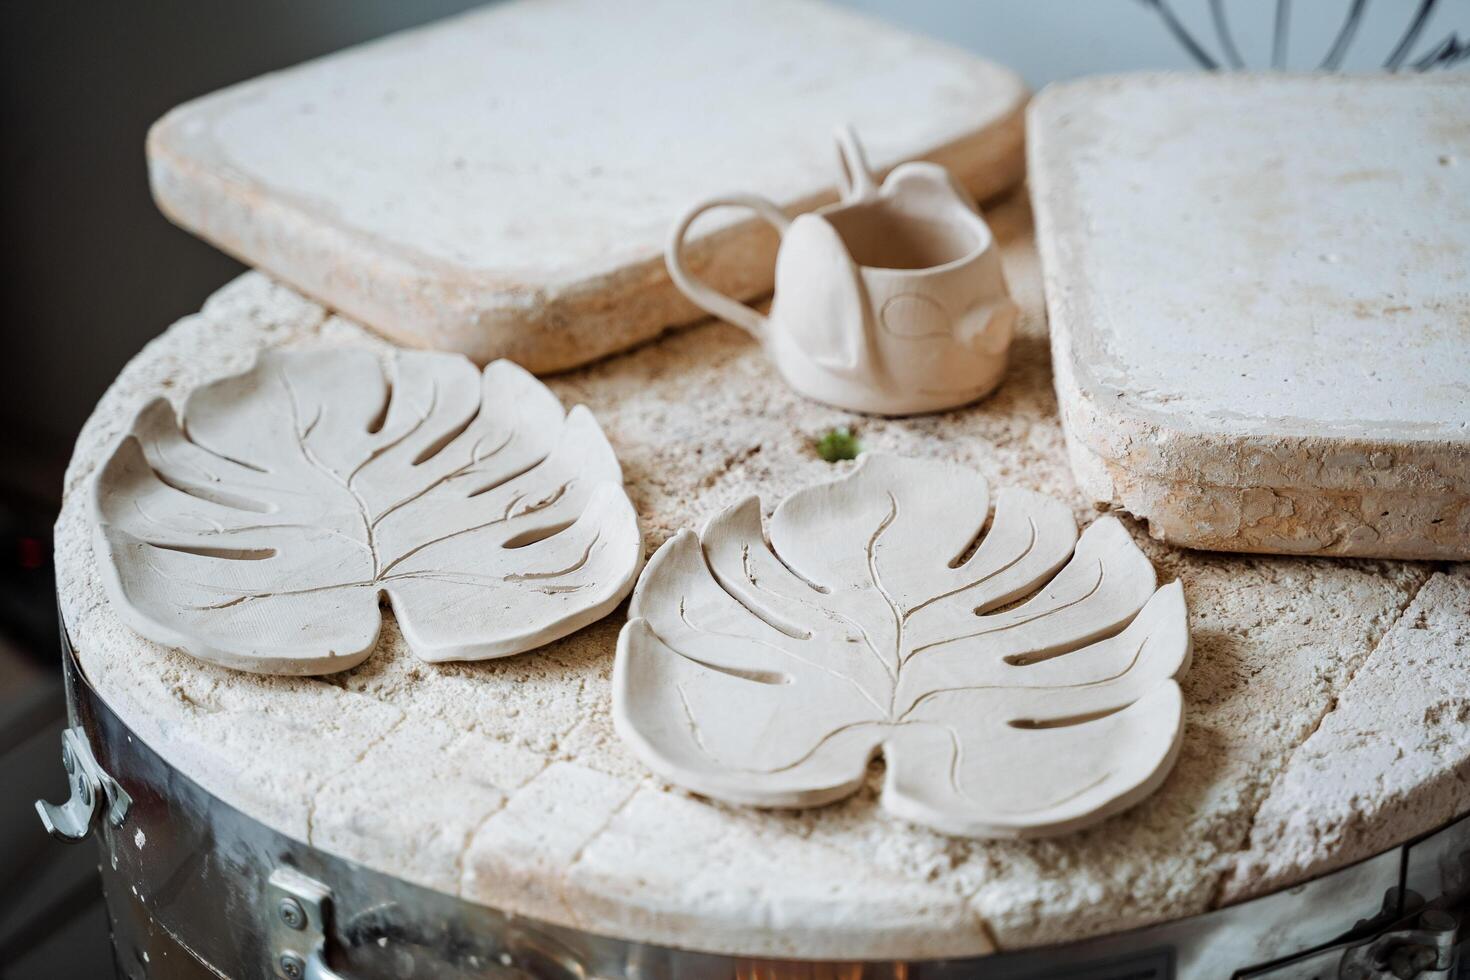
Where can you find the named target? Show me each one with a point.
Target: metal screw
(84, 791)
(293, 966)
(292, 913)
(67, 760)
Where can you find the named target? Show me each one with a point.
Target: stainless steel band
(216, 893)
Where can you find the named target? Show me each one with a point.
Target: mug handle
(703, 295)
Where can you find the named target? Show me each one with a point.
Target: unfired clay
(891, 301)
(260, 527)
(772, 674)
(500, 183)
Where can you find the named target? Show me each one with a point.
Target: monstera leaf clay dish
(260, 528)
(884, 617)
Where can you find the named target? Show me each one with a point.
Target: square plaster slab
(1259, 295)
(501, 183)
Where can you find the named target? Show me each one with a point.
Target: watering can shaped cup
(890, 301)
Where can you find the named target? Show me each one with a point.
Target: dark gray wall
(91, 270)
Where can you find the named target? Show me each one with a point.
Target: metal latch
(1408, 940)
(1423, 949)
(299, 907)
(91, 789)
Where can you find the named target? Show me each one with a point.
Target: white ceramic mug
(890, 301)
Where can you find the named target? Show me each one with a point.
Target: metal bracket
(91, 787)
(1422, 949)
(1408, 940)
(298, 910)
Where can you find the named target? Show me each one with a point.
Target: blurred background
(92, 271)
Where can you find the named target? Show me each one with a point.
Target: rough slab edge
(1305, 495)
(420, 301)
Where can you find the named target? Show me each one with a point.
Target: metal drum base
(196, 889)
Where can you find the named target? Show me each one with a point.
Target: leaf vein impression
(315, 461)
(761, 676)
(898, 618)
(370, 522)
(398, 440)
(1020, 556)
(999, 627)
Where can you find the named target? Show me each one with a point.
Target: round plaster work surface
(503, 782)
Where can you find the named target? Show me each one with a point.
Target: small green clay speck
(838, 444)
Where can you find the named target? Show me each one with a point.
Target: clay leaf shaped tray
(259, 529)
(771, 674)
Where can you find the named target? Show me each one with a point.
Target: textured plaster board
(699, 421)
(1276, 519)
(1268, 519)
(1405, 718)
(1166, 390)
(563, 847)
(700, 884)
(421, 767)
(1318, 228)
(416, 183)
(518, 858)
(559, 675)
